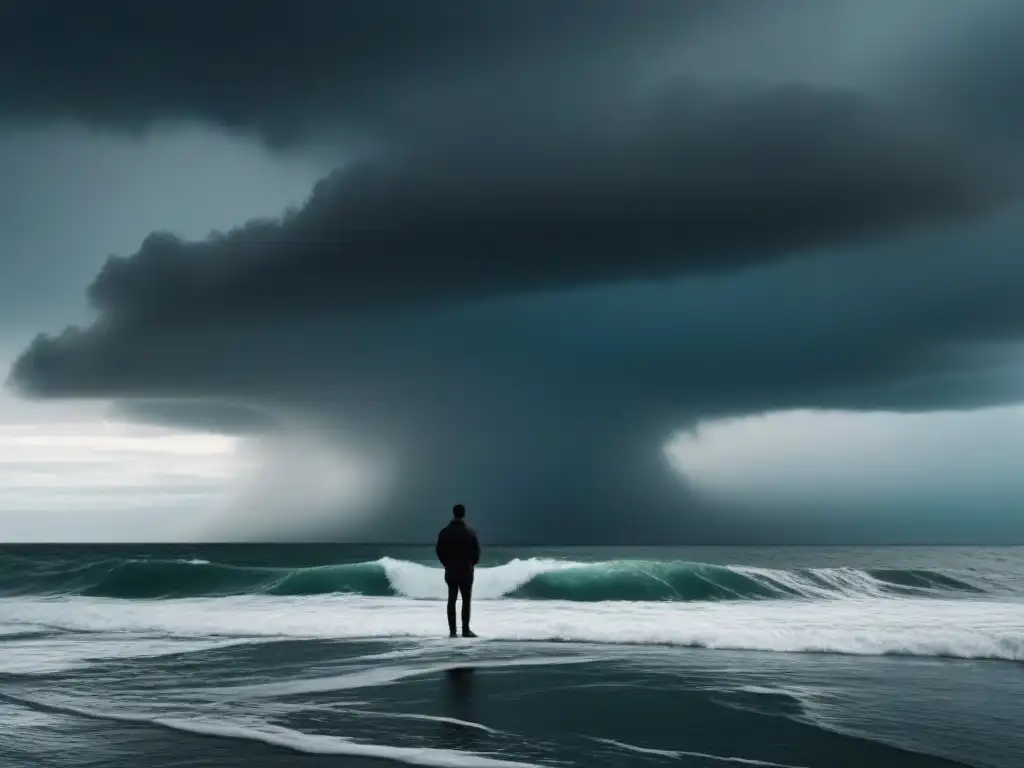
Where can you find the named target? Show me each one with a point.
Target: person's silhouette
(458, 549)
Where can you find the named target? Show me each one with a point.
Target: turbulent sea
(332, 655)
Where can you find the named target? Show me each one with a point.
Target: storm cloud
(561, 235)
(284, 69)
(695, 187)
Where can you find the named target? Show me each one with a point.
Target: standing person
(458, 549)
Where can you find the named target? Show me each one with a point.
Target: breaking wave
(531, 579)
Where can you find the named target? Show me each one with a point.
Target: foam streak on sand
(425, 718)
(675, 753)
(287, 738)
(320, 744)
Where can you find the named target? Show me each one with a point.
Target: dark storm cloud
(547, 411)
(700, 184)
(466, 301)
(280, 67)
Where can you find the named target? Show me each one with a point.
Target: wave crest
(531, 579)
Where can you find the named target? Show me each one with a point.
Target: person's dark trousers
(459, 583)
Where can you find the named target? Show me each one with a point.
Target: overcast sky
(725, 271)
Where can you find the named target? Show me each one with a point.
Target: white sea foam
(425, 718)
(321, 744)
(985, 629)
(418, 581)
(424, 582)
(676, 753)
(287, 738)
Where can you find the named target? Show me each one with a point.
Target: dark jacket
(458, 548)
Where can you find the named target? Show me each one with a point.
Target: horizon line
(660, 545)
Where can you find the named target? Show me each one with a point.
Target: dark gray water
(310, 655)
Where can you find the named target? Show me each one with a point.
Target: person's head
(458, 512)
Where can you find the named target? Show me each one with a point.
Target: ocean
(338, 655)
